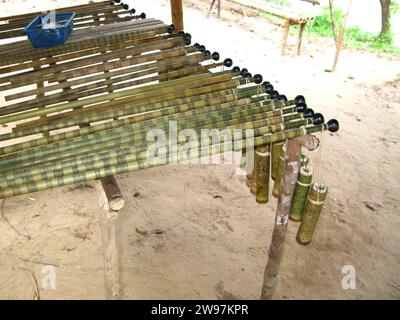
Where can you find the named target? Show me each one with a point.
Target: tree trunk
(385, 10)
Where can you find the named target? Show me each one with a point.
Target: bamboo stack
(85, 109)
(87, 15)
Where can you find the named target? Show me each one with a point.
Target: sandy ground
(207, 237)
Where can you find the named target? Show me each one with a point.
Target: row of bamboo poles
(83, 111)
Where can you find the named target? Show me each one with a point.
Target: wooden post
(177, 14)
(288, 184)
(300, 38)
(339, 43)
(286, 27)
(111, 202)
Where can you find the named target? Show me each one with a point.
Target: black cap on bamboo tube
(236, 69)
(300, 99)
(248, 75)
(133, 11)
(143, 16)
(207, 53)
(268, 88)
(244, 71)
(202, 48)
(301, 107)
(274, 95)
(215, 56)
(116, 1)
(181, 33)
(125, 6)
(196, 45)
(333, 125)
(228, 62)
(282, 98)
(258, 78)
(318, 119)
(171, 28)
(309, 113)
(188, 38)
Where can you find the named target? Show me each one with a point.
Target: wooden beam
(177, 14)
(288, 183)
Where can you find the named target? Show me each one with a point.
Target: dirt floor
(206, 236)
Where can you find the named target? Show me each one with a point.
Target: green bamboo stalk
(80, 53)
(211, 101)
(114, 84)
(85, 61)
(300, 193)
(140, 145)
(149, 105)
(134, 71)
(125, 166)
(83, 44)
(116, 136)
(312, 211)
(262, 170)
(276, 151)
(84, 160)
(136, 93)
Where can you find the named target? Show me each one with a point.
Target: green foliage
(354, 37)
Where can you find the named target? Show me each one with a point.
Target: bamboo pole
(127, 166)
(291, 168)
(115, 136)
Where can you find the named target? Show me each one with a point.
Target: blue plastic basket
(46, 38)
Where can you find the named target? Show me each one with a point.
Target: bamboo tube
(126, 107)
(259, 114)
(81, 53)
(68, 165)
(300, 194)
(187, 106)
(164, 109)
(126, 166)
(83, 161)
(312, 211)
(169, 43)
(117, 135)
(276, 151)
(262, 163)
(84, 44)
(83, 71)
(180, 105)
(277, 184)
(133, 109)
(133, 69)
(114, 84)
(142, 92)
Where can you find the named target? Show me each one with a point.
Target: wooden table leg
(288, 183)
(300, 38)
(285, 36)
(110, 202)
